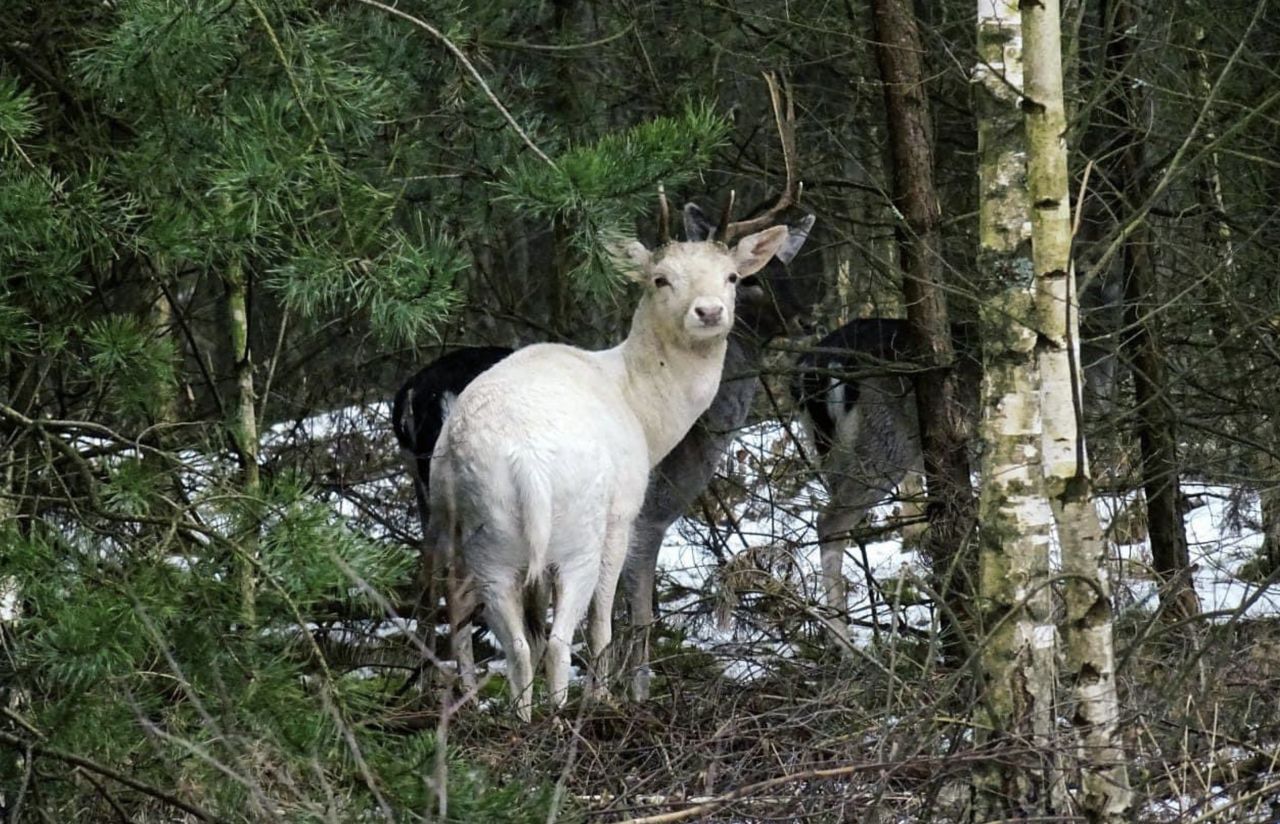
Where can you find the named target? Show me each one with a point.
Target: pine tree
(176, 178)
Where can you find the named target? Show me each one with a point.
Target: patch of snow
(781, 529)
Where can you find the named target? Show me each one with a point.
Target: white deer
(542, 465)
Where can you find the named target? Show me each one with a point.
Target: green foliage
(621, 167)
(41, 244)
(138, 367)
(405, 288)
(17, 114)
(132, 487)
(273, 126)
(309, 555)
(599, 190)
(137, 658)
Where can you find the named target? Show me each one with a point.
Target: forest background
(230, 228)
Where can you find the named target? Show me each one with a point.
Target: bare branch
(114, 775)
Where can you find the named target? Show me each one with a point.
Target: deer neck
(738, 385)
(669, 384)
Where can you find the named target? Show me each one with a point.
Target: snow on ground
(1220, 542)
(768, 522)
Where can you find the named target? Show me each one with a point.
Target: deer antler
(664, 217)
(786, 121)
(726, 214)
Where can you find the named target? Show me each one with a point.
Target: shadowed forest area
(984, 526)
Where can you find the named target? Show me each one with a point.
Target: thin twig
(749, 790)
(569, 47)
(1084, 187)
(462, 58)
(106, 795)
(28, 767)
(107, 772)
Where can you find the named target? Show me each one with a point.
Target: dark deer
(856, 392)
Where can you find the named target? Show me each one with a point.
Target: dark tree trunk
(943, 426)
(1155, 418)
(1156, 428)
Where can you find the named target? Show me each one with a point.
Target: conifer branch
(107, 772)
(470, 67)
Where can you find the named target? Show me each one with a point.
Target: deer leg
(574, 585)
(600, 626)
(834, 526)
(461, 605)
(638, 582)
(504, 611)
(427, 612)
(860, 488)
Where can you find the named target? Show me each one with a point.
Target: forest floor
(755, 716)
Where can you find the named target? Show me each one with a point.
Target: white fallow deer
(767, 302)
(542, 466)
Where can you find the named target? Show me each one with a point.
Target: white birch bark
(1090, 654)
(1014, 516)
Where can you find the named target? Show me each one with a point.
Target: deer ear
(697, 226)
(754, 251)
(796, 236)
(631, 258)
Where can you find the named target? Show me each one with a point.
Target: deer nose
(709, 315)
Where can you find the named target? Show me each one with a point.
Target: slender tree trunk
(942, 417)
(1015, 600)
(1156, 429)
(1156, 418)
(243, 426)
(1090, 657)
(1209, 182)
(16, 520)
(1218, 238)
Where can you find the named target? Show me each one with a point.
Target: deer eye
(733, 277)
(660, 282)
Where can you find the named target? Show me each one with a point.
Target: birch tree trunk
(242, 424)
(1090, 652)
(942, 417)
(1014, 517)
